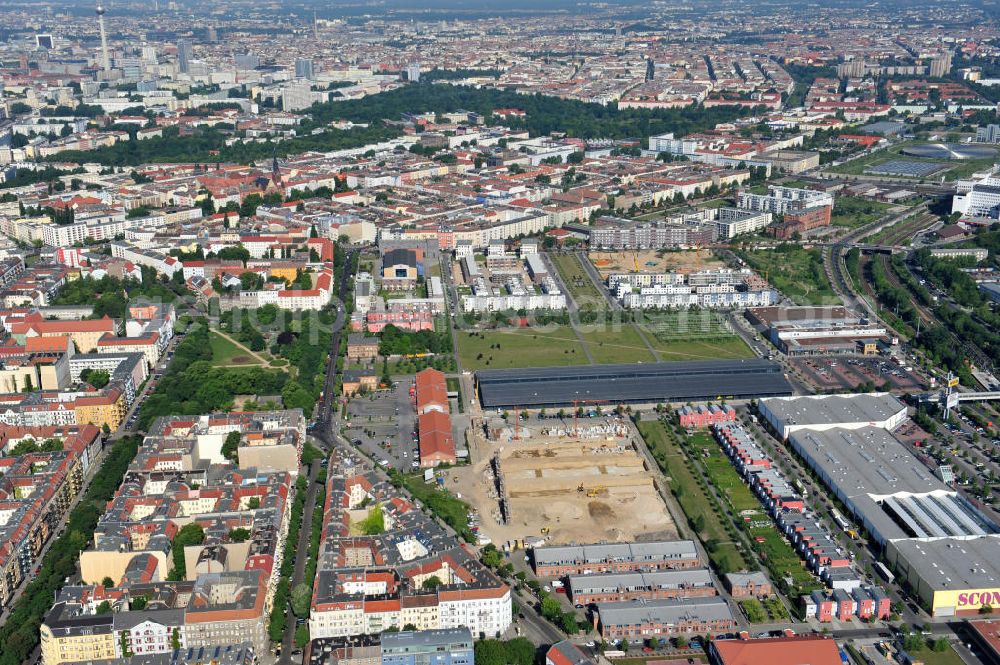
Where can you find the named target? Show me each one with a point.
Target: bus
(839, 519)
(884, 572)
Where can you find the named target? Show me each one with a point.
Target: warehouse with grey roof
(631, 620)
(642, 383)
(822, 412)
(614, 557)
(933, 537)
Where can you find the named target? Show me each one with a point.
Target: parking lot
(384, 425)
(848, 372)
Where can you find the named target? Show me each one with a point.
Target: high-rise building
(184, 55)
(941, 65)
(105, 58)
(304, 68)
(413, 72)
(43, 41)
(988, 134)
(247, 60)
(212, 34)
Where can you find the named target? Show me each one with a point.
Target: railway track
(904, 232)
(926, 316)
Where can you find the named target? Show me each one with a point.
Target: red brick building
(801, 221)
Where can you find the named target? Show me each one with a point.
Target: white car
(415, 464)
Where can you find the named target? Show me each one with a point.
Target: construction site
(562, 484)
(654, 261)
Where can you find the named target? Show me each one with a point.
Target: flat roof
(655, 550)
(629, 613)
(950, 564)
(866, 460)
(639, 382)
(833, 409)
(779, 314)
(898, 497)
(660, 579)
(405, 640)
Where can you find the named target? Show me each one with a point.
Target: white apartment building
(781, 200)
(978, 196)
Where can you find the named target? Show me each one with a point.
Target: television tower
(105, 60)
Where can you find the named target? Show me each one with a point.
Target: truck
(881, 569)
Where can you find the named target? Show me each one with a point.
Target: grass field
(500, 349)
(699, 509)
(852, 212)
(441, 502)
(730, 346)
(579, 284)
(723, 475)
(684, 324)
(796, 272)
(692, 335)
(617, 344)
(754, 610)
(783, 561)
(930, 657)
(776, 552)
(775, 608)
(224, 352)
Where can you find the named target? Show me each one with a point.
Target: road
(599, 284)
(323, 433)
(301, 557)
(324, 414)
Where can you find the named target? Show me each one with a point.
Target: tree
(431, 583)
(913, 642)
(239, 534)
(491, 557)
(253, 503)
(97, 378)
(189, 534)
(409, 627)
(107, 583)
(302, 636)
(301, 598)
(518, 651)
(231, 445)
(624, 645)
(551, 609)
(374, 524)
(104, 608)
